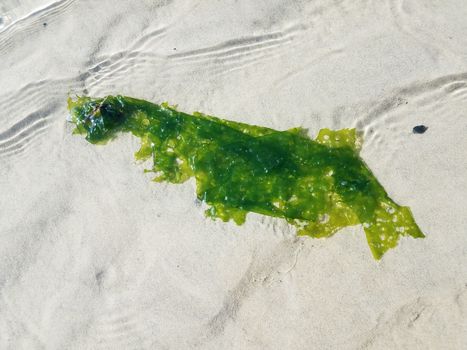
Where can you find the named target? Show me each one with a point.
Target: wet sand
(95, 255)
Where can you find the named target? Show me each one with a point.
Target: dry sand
(94, 255)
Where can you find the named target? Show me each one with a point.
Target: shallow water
(94, 255)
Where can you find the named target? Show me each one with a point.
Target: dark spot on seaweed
(419, 129)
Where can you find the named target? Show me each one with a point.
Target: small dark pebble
(175, 48)
(44, 24)
(419, 129)
(99, 277)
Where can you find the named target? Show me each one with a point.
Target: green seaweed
(319, 186)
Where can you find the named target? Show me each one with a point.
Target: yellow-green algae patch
(318, 185)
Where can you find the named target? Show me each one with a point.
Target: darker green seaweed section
(318, 185)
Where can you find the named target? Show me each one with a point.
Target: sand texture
(94, 255)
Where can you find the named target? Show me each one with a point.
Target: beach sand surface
(94, 255)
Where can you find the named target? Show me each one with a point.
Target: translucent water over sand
(94, 255)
